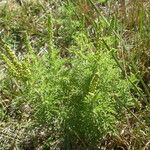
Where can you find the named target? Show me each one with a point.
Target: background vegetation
(74, 75)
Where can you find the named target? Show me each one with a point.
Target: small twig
(147, 145)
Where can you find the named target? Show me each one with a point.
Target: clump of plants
(81, 97)
(68, 81)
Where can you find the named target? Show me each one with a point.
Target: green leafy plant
(83, 96)
(62, 74)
